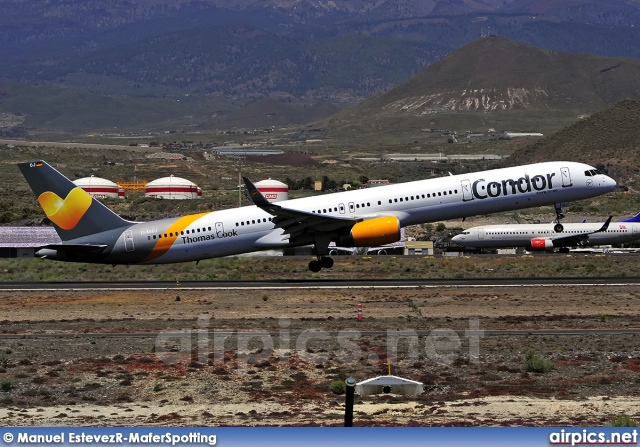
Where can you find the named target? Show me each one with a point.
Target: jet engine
(378, 231)
(541, 245)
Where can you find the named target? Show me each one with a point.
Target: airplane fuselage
(250, 228)
(522, 235)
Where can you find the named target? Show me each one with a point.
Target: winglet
(605, 225)
(254, 194)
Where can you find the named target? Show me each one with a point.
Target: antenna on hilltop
(484, 33)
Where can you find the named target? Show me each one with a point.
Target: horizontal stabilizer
(83, 249)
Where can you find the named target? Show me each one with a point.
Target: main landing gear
(558, 226)
(323, 261)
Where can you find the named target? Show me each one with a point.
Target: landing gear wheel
(326, 262)
(559, 215)
(315, 266)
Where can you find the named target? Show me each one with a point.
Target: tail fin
(73, 212)
(635, 218)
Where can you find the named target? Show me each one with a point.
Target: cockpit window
(588, 174)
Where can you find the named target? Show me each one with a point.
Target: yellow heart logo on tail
(65, 213)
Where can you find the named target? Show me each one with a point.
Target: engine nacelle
(541, 245)
(378, 231)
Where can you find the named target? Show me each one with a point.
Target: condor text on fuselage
(540, 183)
(91, 232)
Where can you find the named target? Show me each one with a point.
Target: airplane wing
(297, 223)
(578, 238)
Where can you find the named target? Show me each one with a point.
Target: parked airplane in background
(91, 232)
(541, 237)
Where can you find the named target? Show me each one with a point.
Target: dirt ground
(267, 357)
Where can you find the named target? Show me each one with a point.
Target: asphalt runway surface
(329, 283)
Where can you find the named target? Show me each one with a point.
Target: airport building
(22, 242)
(172, 188)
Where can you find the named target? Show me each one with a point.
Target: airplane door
(466, 191)
(634, 230)
(128, 241)
(352, 207)
(219, 228)
(566, 177)
(480, 233)
(341, 208)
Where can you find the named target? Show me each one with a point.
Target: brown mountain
(609, 139)
(500, 83)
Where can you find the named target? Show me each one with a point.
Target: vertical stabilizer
(635, 218)
(73, 212)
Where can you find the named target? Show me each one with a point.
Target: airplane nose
(609, 183)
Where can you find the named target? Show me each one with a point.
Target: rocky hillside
(495, 74)
(609, 139)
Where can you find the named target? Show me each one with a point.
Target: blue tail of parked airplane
(635, 218)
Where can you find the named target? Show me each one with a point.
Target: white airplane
(91, 232)
(542, 237)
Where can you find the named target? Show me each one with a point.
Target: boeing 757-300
(91, 232)
(542, 237)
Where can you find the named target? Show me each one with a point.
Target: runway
(262, 326)
(322, 283)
